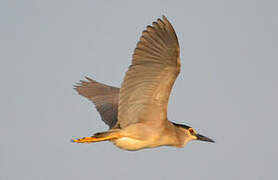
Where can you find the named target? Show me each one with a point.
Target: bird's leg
(102, 136)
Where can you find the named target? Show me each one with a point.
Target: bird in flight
(136, 113)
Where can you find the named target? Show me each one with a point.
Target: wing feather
(103, 96)
(145, 91)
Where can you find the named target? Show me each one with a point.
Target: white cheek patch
(193, 137)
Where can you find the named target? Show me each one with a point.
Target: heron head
(191, 134)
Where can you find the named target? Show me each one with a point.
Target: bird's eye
(191, 131)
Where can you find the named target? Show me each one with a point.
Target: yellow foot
(96, 138)
(86, 140)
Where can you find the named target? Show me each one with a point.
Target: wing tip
(165, 18)
(82, 83)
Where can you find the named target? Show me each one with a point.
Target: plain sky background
(227, 88)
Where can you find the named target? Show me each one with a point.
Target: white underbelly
(130, 144)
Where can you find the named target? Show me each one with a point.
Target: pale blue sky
(227, 88)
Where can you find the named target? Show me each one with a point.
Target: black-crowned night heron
(136, 113)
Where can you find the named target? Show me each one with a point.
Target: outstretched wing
(103, 96)
(148, 82)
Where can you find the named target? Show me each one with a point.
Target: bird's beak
(204, 138)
